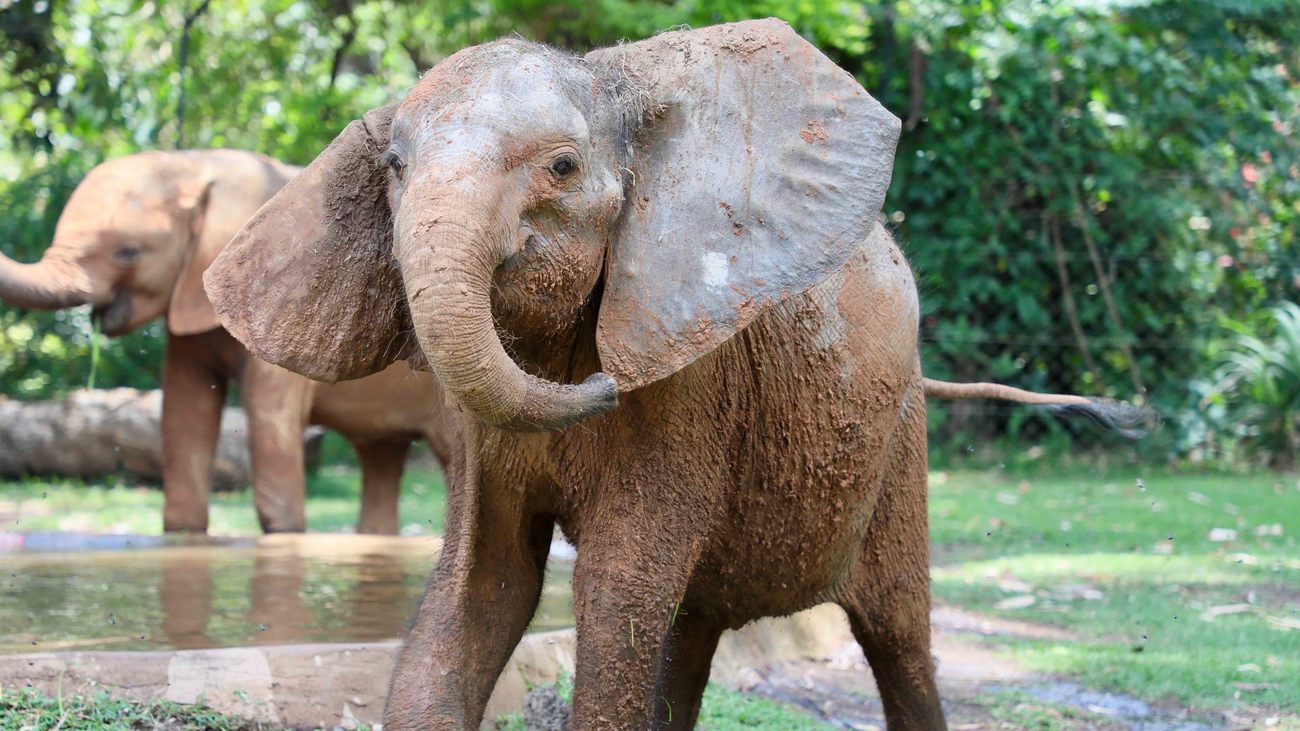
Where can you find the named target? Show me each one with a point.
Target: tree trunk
(94, 434)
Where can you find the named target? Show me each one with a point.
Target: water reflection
(201, 594)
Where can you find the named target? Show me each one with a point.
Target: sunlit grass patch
(1110, 568)
(995, 513)
(119, 506)
(721, 710)
(1183, 588)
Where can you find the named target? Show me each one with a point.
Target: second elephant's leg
(382, 463)
(277, 403)
(193, 396)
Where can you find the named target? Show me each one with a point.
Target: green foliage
(1259, 386)
(1085, 187)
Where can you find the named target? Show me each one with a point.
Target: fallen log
(102, 433)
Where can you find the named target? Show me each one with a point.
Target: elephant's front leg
(277, 403)
(193, 396)
(478, 605)
(632, 574)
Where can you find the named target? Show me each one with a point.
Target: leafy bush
(1086, 188)
(1259, 386)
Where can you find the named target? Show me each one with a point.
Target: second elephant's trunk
(50, 284)
(448, 272)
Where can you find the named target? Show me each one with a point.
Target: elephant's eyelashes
(126, 255)
(392, 160)
(564, 167)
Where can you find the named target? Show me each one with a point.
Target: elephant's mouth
(114, 318)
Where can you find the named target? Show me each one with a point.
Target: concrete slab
(329, 685)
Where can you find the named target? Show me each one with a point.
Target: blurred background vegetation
(1099, 196)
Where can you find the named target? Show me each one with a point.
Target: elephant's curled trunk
(448, 276)
(50, 284)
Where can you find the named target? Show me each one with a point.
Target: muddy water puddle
(66, 592)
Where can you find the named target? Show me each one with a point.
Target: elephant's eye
(564, 166)
(392, 160)
(127, 255)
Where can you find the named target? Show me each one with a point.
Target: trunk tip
(603, 392)
(556, 406)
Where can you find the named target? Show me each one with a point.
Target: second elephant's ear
(309, 283)
(757, 167)
(189, 310)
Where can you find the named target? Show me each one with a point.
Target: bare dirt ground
(981, 687)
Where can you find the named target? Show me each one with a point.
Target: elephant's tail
(1129, 420)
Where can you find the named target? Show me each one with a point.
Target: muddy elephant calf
(712, 383)
(133, 242)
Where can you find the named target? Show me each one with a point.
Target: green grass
(722, 710)
(728, 710)
(1129, 567)
(332, 505)
(31, 711)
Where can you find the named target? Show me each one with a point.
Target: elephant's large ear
(189, 311)
(758, 166)
(309, 283)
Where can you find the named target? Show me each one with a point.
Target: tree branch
(337, 63)
(916, 83)
(413, 53)
(1067, 296)
(182, 62)
(1104, 284)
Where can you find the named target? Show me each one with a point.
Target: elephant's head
(135, 237)
(688, 182)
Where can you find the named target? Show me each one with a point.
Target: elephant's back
(262, 175)
(394, 402)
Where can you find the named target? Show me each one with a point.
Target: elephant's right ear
(310, 283)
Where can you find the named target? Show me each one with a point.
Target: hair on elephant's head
(689, 181)
(136, 235)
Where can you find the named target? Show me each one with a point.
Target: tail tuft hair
(1127, 420)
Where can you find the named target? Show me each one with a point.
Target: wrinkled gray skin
(654, 281)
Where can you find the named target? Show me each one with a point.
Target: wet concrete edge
(327, 685)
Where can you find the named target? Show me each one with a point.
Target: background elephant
(133, 242)
(712, 382)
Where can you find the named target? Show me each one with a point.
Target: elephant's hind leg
(382, 462)
(888, 596)
(685, 671)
